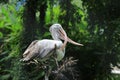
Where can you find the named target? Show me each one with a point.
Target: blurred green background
(94, 23)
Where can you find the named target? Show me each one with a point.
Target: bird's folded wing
(30, 47)
(31, 52)
(38, 50)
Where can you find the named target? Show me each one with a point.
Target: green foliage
(52, 13)
(10, 28)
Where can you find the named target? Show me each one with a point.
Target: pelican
(43, 49)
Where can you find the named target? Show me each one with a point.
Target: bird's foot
(56, 62)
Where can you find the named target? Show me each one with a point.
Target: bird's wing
(27, 51)
(31, 51)
(41, 49)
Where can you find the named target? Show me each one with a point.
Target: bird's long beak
(66, 39)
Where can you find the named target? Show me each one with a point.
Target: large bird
(43, 49)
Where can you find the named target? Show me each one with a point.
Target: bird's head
(58, 33)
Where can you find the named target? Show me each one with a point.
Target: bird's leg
(47, 72)
(55, 57)
(56, 62)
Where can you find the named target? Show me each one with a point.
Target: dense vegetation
(94, 23)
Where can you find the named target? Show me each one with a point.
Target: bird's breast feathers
(60, 54)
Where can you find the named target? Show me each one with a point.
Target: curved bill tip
(79, 44)
(73, 42)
